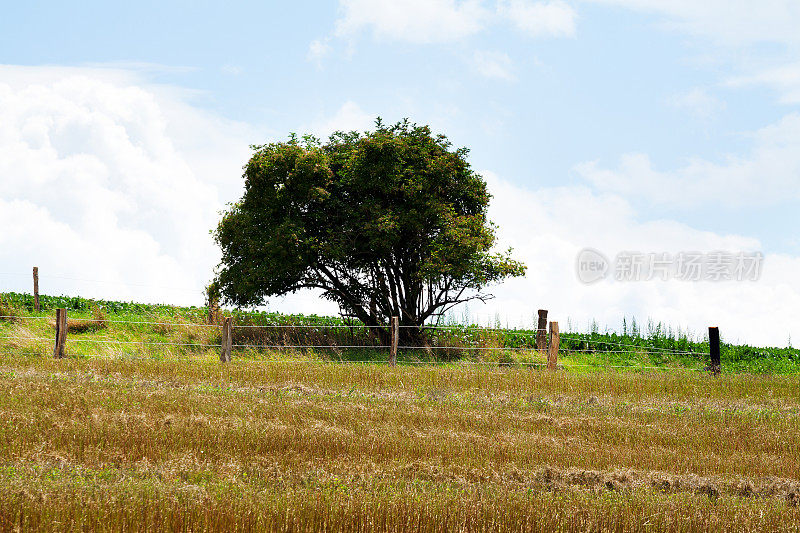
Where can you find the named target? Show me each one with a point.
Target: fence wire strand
(584, 338)
(328, 346)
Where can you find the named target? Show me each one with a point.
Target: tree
(386, 223)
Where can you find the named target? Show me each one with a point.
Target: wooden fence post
(713, 349)
(395, 326)
(541, 332)
(552, 356)
(36, 306)
(227, 340)
(61, 333)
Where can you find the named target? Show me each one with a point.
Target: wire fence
(464, 342)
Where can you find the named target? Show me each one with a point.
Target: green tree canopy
(386, 223)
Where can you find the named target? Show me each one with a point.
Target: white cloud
(548, 227)
(493, 65)
(698, 102)
(440, 21)
(416, 21)
(785, 79)
(349, 117)
(447, 21)
(727, 22)
(110, 185)
(554, 18)
(769, 175)
(107, 179)
(318, 50)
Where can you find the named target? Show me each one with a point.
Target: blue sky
(680, 117)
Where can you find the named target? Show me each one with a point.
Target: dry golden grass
(121, 444)
(98, 322)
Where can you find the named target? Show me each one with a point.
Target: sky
(626, 126)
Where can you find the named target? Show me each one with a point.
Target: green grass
(633, 350)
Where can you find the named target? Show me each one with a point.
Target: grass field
(252, 445)
(169, 439)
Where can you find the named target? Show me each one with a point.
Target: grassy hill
(127, 435)
(120, 329)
